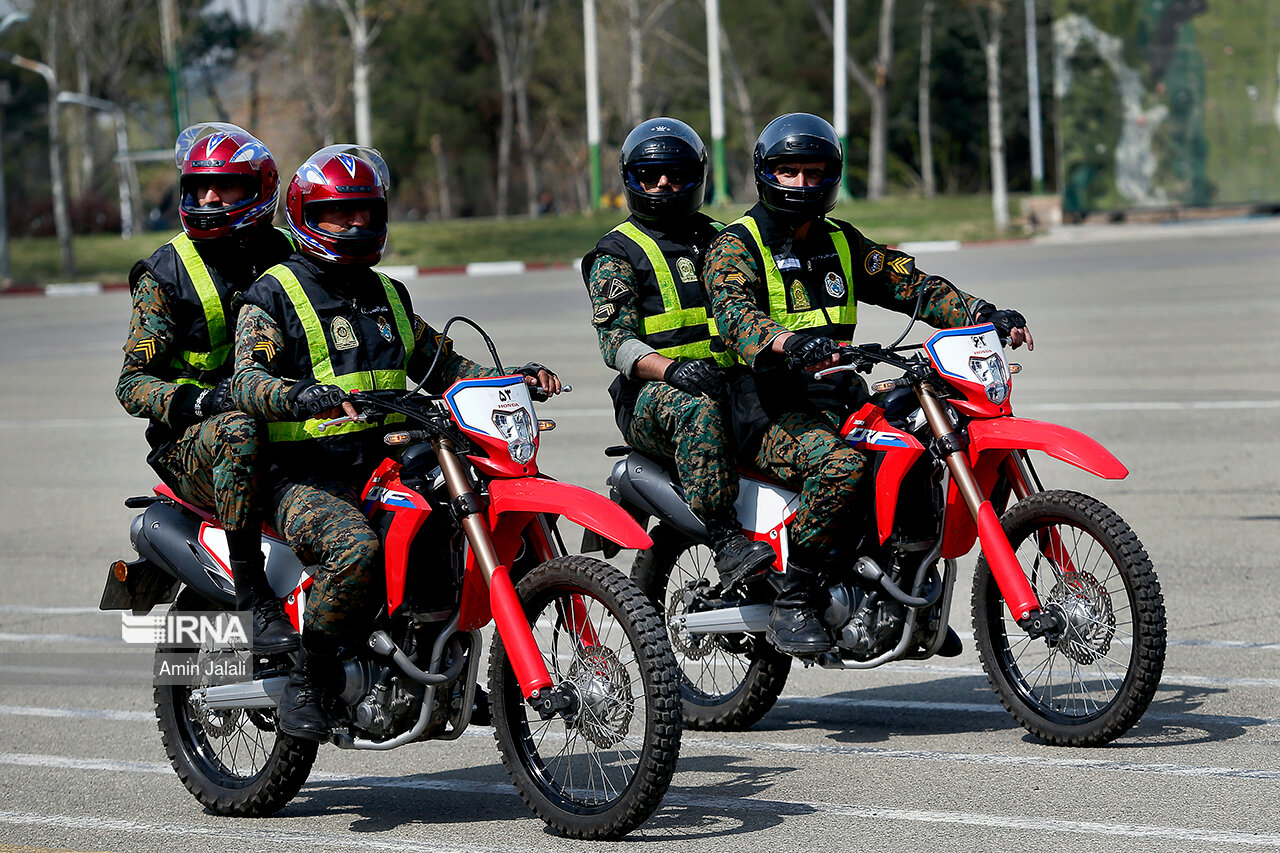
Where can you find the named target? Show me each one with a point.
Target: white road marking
(232, 828)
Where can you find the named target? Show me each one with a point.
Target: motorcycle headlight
(991, 373)
(517, 428)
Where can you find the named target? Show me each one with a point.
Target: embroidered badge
(874, 262)
(902, 265)
(385, 328)
(685, 267)
(617, 290)
(799, 299)
(344, 337)
(834, 285)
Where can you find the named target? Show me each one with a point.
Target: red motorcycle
(1067, 612)
(585, 703)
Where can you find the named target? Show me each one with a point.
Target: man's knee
(238, 433)
(842, 467)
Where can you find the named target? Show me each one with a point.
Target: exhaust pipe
(751, 619)
(259, 693)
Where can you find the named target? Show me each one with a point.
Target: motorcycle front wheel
(233, 762)
(600, 770)
(728, 682)
(1093, 683)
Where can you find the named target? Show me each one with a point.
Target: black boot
(738, 558)
(794, 626)
(301, 713)
(273, 634)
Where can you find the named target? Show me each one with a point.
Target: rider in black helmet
(650, 314)
(782, 282)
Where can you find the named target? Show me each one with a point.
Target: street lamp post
(122, 152)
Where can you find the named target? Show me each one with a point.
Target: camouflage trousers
(214, 463)
(322, 522)
(805, 451)
(693, 431)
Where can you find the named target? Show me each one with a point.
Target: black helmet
(663, 146)
(798, 137)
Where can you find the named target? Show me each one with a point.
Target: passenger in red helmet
(177, 365)
(321, 324)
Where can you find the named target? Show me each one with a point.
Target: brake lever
(345, 419)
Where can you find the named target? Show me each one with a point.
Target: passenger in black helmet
(782, 282)
(651, 318)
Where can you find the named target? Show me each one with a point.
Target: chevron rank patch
(147, 348)
(902, 265)
(603, 314)
(265, 349)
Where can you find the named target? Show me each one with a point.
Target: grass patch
(550, 239)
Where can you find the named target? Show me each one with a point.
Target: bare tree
(364, 25)
(516, 27)
(989, 36)
(925, 121)
(637, 33)
(877, 92)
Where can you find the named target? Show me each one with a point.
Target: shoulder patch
(874, 262)
(617, 290)
(902, 265)
(419, 326)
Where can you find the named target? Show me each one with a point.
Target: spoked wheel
(601, 768)
(727, 681)
(1093, 683)
(234, 761)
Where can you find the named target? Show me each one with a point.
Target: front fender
(1069, 445)
(583, 507)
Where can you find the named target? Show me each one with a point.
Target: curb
(483, 268)
(1059, 235)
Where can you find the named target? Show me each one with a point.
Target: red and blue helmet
(340, 174)
(218, 149)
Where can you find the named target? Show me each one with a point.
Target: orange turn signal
(545, 426)
(120, 570)
(1014, 367)
(395, 439)
(883, 387)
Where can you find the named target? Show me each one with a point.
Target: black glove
(531, 370)
(804, 351)
(214, 401)
(308, 399)
(694, 377)
(1006, 321)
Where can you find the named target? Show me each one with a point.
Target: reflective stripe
(843, 315)
(674, 315)
(211, 303)
(322, 363)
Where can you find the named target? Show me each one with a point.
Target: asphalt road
(1164, 350)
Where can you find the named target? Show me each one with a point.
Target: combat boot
(273, 634)
(738, 559)
(302, 713)
(794, 626)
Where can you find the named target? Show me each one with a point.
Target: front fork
(517, 638)
(1018, 595)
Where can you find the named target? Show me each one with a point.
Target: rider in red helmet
(321, 324)
(177, 365)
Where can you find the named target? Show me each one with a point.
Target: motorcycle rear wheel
(600, 772)
(1095, 682)
(236, 762)
(728, 682)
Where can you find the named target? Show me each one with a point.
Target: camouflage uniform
(211, 461)
(654, 417)
(316, 483)
(790, 429)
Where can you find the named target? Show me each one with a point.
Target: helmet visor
(355, 219)
(189, 137)
(648, 175)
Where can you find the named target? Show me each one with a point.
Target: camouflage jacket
(265, 372)
(739, 293)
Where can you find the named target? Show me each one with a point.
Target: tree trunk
(363, 33)
(926, 131)
(877, 168)
(635, 43)
(442, 177)
(501, 40)
(990, 37)
(524, 132)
